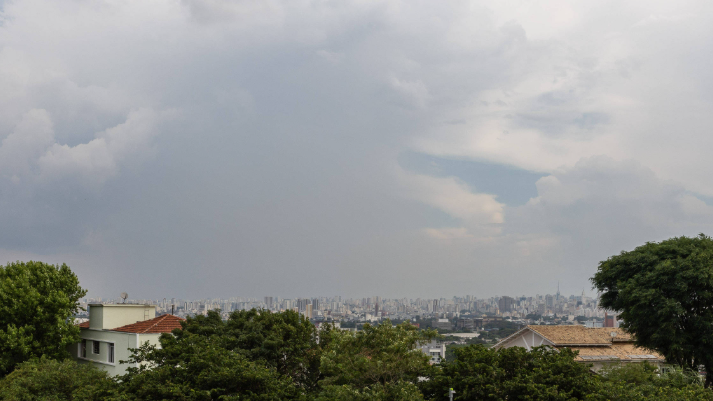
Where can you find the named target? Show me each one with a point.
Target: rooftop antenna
(124, 296)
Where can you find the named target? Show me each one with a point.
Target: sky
(220, 148)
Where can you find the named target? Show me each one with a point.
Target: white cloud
(31, 152)
(480, 214)
(21, 149)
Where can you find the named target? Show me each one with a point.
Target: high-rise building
(315, 304)
(308, 311)
(302, 304)
(558, 290)
(610, 320)
(505, 304)
(268, 302)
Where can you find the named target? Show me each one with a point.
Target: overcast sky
(217, 148)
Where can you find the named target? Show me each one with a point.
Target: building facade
(114, 329)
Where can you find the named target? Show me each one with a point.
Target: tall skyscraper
(302, 304)
(505, 304)
(549, 301)
(558, 290)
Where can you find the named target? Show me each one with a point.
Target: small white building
(114, 329)
(596, 346)
(436, 350)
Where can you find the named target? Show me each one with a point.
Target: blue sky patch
(513, 186)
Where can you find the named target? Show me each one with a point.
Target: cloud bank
(224, 148)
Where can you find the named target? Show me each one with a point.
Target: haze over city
(218, 149)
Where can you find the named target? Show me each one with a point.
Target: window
(83, 349)
(95, 347)
(111, 353)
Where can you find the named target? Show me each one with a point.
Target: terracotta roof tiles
(580, 335)
(617, 351)
(160, 324)
(593, 344)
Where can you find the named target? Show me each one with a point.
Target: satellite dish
(124, 296)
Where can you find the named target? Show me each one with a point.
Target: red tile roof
(84, 325)
(160, 324)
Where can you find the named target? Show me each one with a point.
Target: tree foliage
(378, 362)
(643, 382)
(50, 380)
(664, 292)
(193, 367)
(37, 302)
(285, 341)
(480, 373)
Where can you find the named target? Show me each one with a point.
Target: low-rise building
(436, 350)
(443, 324)
(596, 346)
(114, 329)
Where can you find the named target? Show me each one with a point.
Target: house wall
(107, 317)
(123, 342)
(528, 339)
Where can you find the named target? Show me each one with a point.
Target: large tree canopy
(285, 341)
(196, 368)
(37, 301)
(379, 362)
(664, 292)
(479, 373)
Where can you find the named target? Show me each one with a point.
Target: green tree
(379, 362)
(193, 367)
(664, 292)
(643, 382)
(397, 391)
(37, 302)
(484, 374)
(50, 380)
(285, 341)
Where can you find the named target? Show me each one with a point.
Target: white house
(113, 329)
(596, 346)
(436, 350)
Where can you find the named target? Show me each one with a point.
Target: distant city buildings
(459, 312)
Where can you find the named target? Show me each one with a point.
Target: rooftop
(593, 344)
(580, 335)
(159, 324)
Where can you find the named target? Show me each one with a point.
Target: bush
(50, 380)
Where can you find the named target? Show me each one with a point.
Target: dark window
(95, 345)
(111, 353)
(83, 349)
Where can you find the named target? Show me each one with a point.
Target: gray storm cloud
(221, 148)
